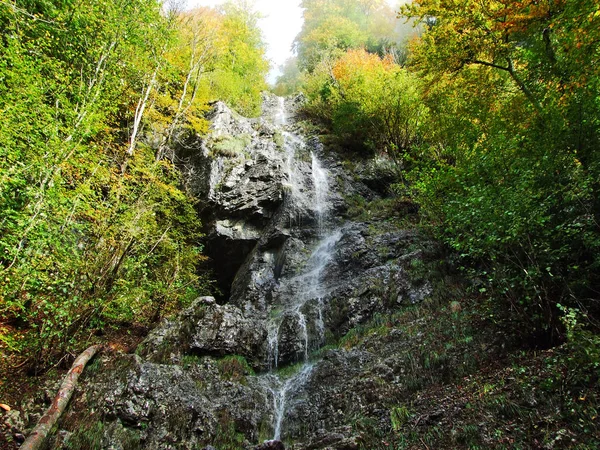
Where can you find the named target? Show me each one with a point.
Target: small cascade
(297, 193)
(321, 199)
(273, 344)
(300, 299)
(300, 291)
(280, 116)
(280, 389)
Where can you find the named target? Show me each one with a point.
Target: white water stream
(321, 196)
(300, 297)
(301, 292)
(279, 390)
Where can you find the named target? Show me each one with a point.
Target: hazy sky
(281, 23)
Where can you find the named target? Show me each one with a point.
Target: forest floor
(471, 384)
(28, 395)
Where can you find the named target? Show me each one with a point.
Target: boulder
(205, 328)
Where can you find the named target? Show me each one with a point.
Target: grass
(289, 371)
(467, 383)
(227, 436)
(379, 325)
(461, 389)
(234, 368)
(399, 416)
(229, 146)
(387, 211)
(279, 140)
(90, 438)
(190, 360)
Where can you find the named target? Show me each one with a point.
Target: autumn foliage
(493, 123)
(96, 97)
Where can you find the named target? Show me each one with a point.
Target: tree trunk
(139, 111)
(36, 438)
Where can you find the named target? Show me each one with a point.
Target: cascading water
(300, 297)
(280, 117)
(295, 180)
(279, 390)
(321, 200)
(298, 292)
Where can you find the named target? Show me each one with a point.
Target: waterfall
(301, 297)
(297, 194)
(292, 143)
(280, 116)
(279, 390)
(321, 198)
(299, 291)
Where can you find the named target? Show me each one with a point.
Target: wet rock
(335, 440)
(378, 173)
(170, 406)
(270, 445)
(258, 255)
(292, 276)
(238, 171)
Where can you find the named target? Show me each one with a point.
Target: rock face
(294, 276)
(205, 328)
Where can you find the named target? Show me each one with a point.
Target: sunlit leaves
(512, 91)
(333, 26)
(89, 235)
(239, 75)
(371, 102)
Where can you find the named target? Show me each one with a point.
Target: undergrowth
(466, 383)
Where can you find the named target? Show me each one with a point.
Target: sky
(281, 23)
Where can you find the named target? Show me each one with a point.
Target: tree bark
(36, 438)
(139, 110)
(522, 86)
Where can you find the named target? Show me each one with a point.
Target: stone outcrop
(200, 378)
(204, 329)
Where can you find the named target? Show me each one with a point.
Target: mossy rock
(229, 146)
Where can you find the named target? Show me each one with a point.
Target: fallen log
(37, 437)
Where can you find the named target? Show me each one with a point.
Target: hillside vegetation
(487, 113)
(473, 124)
(95, 231)
(492, 125)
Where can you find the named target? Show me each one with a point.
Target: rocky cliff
(297, 276)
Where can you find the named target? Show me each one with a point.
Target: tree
(291, 79)
(239, 76)
(92, 233)
(512, 181)
(333, 26)
(371, 102)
